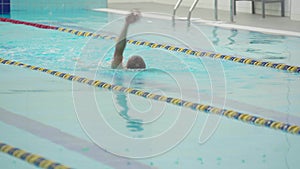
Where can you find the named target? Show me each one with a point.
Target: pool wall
(34, 5)
(291, 6)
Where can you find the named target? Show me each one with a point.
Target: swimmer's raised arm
(121, 43)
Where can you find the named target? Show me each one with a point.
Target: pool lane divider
(247, 118)
(42, 26)
(248, 61)
(34, 159)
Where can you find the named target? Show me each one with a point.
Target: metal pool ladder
(193, 7)
(190, 11)
(175, 9)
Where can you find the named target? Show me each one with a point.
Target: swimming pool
(69, 122)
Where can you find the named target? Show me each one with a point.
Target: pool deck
(241, 19)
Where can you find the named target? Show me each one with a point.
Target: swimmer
(134, 62)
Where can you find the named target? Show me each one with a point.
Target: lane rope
(248, 61)
(33, 159)
(247, 118)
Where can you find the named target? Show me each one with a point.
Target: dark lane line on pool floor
(69, 141)
(251, 109)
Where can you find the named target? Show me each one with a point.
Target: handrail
(216, 10)
(191, 10)
(175, 9)
(231, 11)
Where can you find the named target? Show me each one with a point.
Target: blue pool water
(71, 121)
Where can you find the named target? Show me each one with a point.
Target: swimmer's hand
(133, 17)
